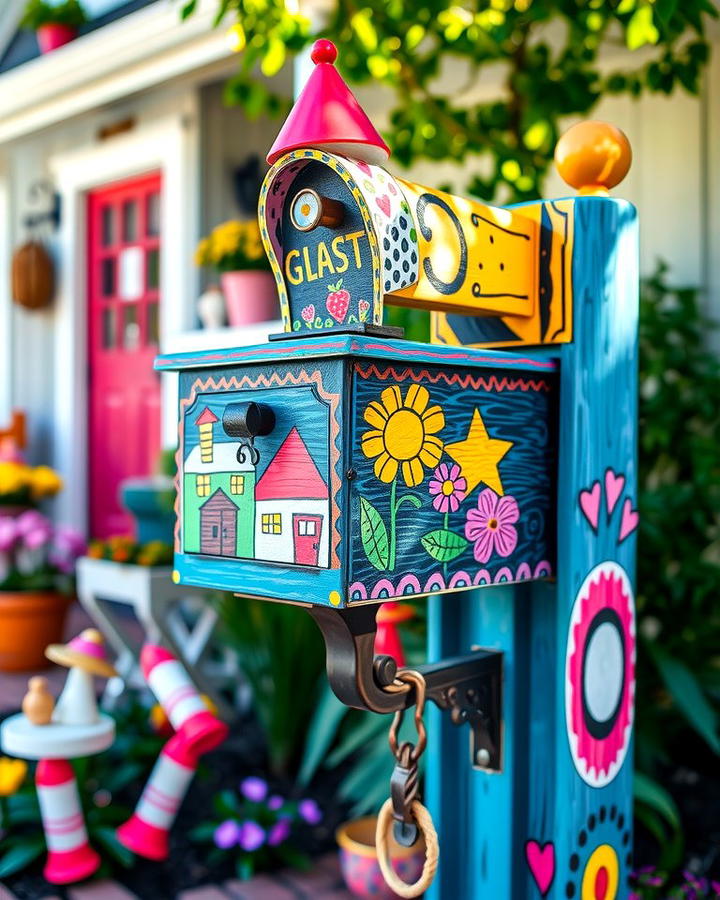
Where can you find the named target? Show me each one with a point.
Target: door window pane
(130, 220)
(109, 336)
(107, 276)
(152, 213)
(131, 329)
(153, 269)
(153, 324)
(107, 226)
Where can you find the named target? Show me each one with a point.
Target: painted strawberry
(337, 301)
(308, 313)
(363, 309)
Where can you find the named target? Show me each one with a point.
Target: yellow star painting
(478, 456)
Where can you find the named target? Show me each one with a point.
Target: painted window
(202, 485)
(272, 523)
(237, 484)
(306, 527)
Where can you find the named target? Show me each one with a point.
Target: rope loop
(425, 825)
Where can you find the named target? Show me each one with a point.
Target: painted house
(217, 495)
(292, 508)
(127, 126)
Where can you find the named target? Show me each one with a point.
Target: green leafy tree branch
(546, 51)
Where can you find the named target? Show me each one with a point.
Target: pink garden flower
(491, 526)
(447, 488)
(8, 533)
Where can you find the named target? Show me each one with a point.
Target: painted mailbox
(339, 466)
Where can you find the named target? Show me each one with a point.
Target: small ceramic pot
(250, 297)
(211, 307)
(54, 35)
(358, 860)
(29, 621)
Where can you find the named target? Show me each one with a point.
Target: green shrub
(679, 538)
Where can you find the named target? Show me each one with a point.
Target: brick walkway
(323, 882)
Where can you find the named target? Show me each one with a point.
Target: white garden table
(179, 618)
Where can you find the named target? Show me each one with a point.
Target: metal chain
(404, 781)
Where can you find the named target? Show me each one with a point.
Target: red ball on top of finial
(323, 52)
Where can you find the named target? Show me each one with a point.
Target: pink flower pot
(358, 860)
(54, 35)
(250, 297)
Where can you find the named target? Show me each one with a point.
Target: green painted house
(218, 496)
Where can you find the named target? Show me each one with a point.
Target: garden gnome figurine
(85, 657)
(38, 704)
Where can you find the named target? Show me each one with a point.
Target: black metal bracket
(51, 215)
(469, 687)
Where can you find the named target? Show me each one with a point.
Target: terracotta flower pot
(250, 297)
(29, 621)
(358, 860)
(54, 35)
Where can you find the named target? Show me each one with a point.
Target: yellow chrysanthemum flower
(403, 434)
(13, 477)
(12, 775)
(45, 482)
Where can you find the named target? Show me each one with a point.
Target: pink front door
(124, 245)
(306, 538)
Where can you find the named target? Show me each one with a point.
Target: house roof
(327, 116)
(20, 45)
(224, 460)
(291, 474)
(206, 417)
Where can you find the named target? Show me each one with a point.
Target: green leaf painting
(374, 535)
(443, 545)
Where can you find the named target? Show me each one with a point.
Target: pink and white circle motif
(600, 674)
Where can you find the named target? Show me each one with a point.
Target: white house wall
(43, 368)
(280, 547)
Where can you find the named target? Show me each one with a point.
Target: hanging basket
(33, 276)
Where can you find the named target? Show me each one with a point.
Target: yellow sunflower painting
(403, 434)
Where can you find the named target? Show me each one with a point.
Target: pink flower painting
(447, 488)
(491, 527)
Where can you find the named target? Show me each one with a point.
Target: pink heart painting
(541, 861)
(614, 485)
(364, 166)
(590, 504)
(629, 520)
(384, 204)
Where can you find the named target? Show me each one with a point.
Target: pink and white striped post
(178, 696)
(70, 856)
(147, 831)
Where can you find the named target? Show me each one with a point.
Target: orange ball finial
(323, 52)
(593, 156)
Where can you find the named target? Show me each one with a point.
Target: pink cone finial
(327, 116)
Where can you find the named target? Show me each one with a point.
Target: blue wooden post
(339, 467)
(557, 821)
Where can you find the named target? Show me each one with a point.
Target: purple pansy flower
(275, 802)
(252, 836)
(310, 812)
(279, 832)
(254, 789)
(447, 488)
(227, 834)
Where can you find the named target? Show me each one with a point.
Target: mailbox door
(263, 517)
